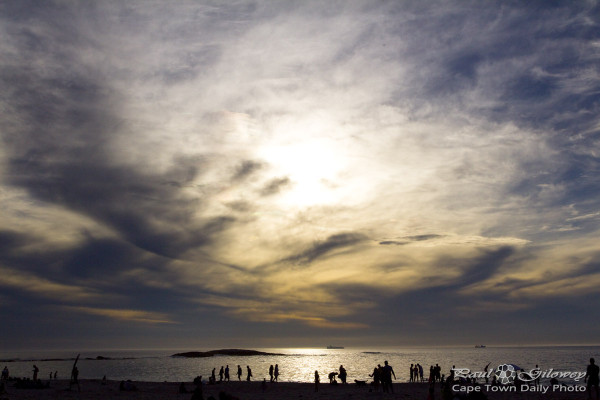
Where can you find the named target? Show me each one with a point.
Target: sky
(206, 174)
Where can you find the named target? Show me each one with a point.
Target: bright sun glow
(311, 161)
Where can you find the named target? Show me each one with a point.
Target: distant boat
(335, 347)
(480, 346)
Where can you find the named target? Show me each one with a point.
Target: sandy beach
(95, 390)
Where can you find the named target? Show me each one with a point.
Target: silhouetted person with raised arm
(75, 378)
(387, 373)
(592, 378)
(376, 375)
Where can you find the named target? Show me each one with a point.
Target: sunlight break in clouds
(315, 169)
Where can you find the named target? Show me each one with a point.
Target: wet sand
(94, 390)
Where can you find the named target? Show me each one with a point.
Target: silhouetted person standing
(592, 378)
(227, 373)
(249, 371)
(239, 373)
(276, 372)
(386, 378)
(376, 377)
(75, 378)
(342, 374)
(35, 372)
(198, 395)
(271, 373)
(317, 380)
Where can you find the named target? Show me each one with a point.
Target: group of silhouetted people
(416, 373)
(382, 376)
(224, 374)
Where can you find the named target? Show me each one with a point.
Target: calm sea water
(296, 365)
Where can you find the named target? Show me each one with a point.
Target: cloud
(274, 186)
(126, 315)
(331, 244)
(302, 165)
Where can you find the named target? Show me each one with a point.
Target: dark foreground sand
(94, 390)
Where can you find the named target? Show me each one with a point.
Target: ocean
(295, 364)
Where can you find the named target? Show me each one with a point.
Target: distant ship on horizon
(480, 346)
(335, 347)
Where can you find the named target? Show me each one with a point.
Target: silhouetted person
(412, 371)
(431, 393)
(227, 373)
(343, 374)
(75, 378)
(249, 373)
(592, 378)
(486, 373)
(386, 377)
(271, 373)
(276, 373)
(55, 373)
(420, 367)
(376, 375)
(35, 372)
(317, 380)
(332, 380)
(198, 395)
(5, 373)
(239, 373)
(447, 393)
(221, 374)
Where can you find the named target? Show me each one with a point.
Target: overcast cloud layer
(287, 173)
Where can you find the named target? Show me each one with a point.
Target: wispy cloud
(299, 164)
